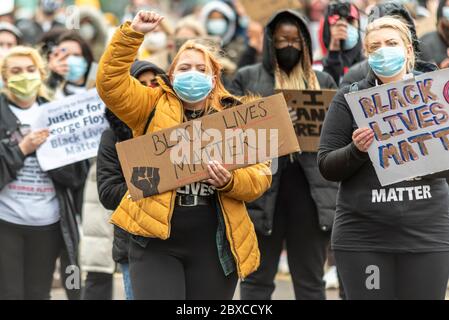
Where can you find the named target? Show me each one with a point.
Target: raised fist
(146, 21)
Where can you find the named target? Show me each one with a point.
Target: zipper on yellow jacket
(173, 195)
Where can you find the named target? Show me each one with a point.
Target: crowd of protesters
(164, 62)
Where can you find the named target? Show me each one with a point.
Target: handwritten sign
(236, 137)
(76, 124)
(311, 107)
(410, 120)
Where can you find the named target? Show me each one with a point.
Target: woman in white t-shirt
(36, 207)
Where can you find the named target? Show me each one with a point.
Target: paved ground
(284, 290)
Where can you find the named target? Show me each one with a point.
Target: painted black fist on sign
(146, 179)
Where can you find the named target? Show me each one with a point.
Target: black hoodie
(111, 183)
(337, 63)
(434, 46)
(259, 79)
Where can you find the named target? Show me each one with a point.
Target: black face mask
(288, 58)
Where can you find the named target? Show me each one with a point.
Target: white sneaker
(331, 278)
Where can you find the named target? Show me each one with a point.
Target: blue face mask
(77, 68)
(387, 61)
(217, 27)
(353, 38)
(192, 86)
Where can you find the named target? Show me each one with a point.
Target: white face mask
(155, 41)
(87, 31)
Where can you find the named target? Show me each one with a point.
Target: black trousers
(390, 276)
(72, 294)
(185, 266)
(27, 260)
(98, 286)
(296, 224)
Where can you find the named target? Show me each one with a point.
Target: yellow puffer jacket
(133, 103)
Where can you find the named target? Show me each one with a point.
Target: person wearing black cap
(359, 71)
(110, 180)
(146, 72)
(436, 44)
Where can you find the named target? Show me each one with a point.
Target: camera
(340, 8)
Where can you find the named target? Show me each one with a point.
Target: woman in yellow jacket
(190, 243)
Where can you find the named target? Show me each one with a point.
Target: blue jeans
(127, 281)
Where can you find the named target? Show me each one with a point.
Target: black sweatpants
(296, 223)
(98, 286)
(27, 260)
(391, 276)
(64, 262)
(185, 266)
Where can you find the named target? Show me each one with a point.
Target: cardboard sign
(236, 137)
(410, 120)
(76, 124)
(261, 11)
(311, 107)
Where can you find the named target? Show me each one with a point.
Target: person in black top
(340, 37)
(435, 44)
(359, 71)
(111, 182)
(300, 205)
(389, 242)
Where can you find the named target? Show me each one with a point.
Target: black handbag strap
(150, 118)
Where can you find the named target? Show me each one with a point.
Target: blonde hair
(395, 23)
(301, 77)
(213, 66)
(33, 54)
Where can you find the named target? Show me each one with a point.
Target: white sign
(76, 124)
(410, 120)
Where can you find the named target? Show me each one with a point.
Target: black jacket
(370, 217)
(111, 183)
(68, 180)
(112, 187)
(336, 63)
(434, 49)
(259, 79)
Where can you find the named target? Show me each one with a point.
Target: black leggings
(27, 260)
(389, 276)
(295, 222)
(185, 266)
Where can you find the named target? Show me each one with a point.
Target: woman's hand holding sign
(220, 176)
(146, 21)
(33, 141)
(363, 138)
